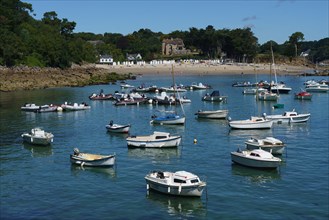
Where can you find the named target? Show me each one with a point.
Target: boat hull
(170, 142)
(118, 128)
(173, 121)
(237, 157)
(28, 138)
(220, 114)
(289, 119)
(251, 125)
(192, 191)
(272, 149)
(303, 97)
(105, 161)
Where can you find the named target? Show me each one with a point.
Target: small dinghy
(180, 183)
(116, 128)
(92, 160)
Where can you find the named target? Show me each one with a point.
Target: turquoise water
(40, 183)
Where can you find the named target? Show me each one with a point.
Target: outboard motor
(76, 151)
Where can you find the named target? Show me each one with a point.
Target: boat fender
(83, 163)
(180, 188)
(168, 189)
(147, 186)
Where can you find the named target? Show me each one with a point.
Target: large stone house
(174, 47)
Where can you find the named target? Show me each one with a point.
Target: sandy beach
(204, 69)
(25, 78)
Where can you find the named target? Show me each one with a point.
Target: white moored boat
(269, 144)
(30, 107)
(38, 136)
(252, 123)
(75, 107)
(168, 118)
(255, 158)
(216, 114)
(156, 140)
(180, 183)
(116, 128)
(92, 160)
(289, 117)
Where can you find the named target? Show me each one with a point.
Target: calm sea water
(40, 183)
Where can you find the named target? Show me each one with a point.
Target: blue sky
(268, 19)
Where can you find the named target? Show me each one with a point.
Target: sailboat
(269, 95)
(170, 117)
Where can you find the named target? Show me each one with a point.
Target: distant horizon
(264, 18)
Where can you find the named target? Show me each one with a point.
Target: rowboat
(92, 160)
(117, 128)
(180, 183)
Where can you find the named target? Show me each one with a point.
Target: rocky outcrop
(25, 78)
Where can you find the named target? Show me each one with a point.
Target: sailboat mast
(174, 84)
(276, 80)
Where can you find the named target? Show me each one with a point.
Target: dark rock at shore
(26, 78)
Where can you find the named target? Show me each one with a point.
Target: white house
(105, 59)
(133, 57)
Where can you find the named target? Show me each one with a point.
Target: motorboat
(126, 86)
(198, 86)
(269, 144)
(156, 140)
(289, 117)
(30, 107)
(101, 96)
(130, 101)
(38, 136)
(179, 183)
(91, 160)
(75, 106)
(243, 84)
(117, 128)
(267, 96)
(317, 87)
(303, 95)
(280, 88)
(216, 114)
(253, 91)
(214, 97)
(168, 118)
(252, 123)
(47, 108)
(257, 158)
(164, 99)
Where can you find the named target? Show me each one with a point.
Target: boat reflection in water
(38, 151)
(257, 176)
(105, 171)
(179, 206)
(155, 153)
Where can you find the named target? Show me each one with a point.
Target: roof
(105, 56)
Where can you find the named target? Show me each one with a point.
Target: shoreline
(25, 78)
